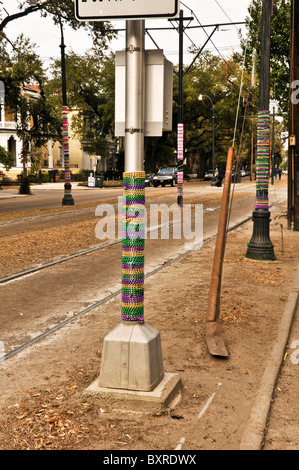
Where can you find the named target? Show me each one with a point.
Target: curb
(253, 437)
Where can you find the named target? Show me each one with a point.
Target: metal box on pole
(158, 93)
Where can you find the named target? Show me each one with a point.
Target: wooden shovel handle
(215, 286)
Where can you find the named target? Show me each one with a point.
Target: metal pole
(180, 130)
(273, 149)
(213, 136)
(293, 160)
(213, 149)
(135, 65)
(68, 198)
(132, 352)
(134, 177)
(260, 246)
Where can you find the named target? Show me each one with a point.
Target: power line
(226, 14)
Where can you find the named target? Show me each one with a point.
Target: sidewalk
(12, 193)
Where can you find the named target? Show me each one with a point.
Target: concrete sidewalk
(254, 434)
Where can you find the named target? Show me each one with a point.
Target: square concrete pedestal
(132, 376)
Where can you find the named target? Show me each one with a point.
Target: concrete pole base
(132, 376)
(132, 357)
(166, 396)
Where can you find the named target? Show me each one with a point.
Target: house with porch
(54, 158)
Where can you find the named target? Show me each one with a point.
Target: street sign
(101, 10)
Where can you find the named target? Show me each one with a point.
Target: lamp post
(260, 246)
(68, 198)
(213, 136)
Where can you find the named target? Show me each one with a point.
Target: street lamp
(213, 136)
(68, 198)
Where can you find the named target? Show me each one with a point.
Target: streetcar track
(36, 269)
(109, 297)
(65, 322)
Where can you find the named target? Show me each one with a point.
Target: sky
(46, 35)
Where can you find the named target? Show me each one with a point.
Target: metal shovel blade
(215, 341)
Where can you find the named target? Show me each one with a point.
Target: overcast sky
(46, 36)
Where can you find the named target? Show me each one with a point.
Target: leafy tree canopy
(64, 10)
(280, 47)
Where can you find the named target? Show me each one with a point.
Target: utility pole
(260, 246)
(180, 130)
(293, 164)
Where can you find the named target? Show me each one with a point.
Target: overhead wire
(212, 42)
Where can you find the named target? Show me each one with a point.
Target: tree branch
(15, 16)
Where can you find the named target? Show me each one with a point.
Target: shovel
(215, 342)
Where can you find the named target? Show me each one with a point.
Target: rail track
(56, 327)
(107, 298)
(36, 269)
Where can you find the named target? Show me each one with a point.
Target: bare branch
(15, 16)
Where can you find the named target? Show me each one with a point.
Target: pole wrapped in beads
(133, 235)
(180, 161)
(262, 160)
(66, 151)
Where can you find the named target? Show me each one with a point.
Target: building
(79, 159)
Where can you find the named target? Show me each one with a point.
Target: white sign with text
(100, 10)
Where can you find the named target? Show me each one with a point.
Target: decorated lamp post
(68, 198)
(260, 246)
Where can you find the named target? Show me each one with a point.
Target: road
(50, 195)
(47, 297)
(45, 198)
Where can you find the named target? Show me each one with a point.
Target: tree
(91, 91)
(37, 157)
(280, 47)
(24, 66)
(37, 119)
(99, 31)
(6, 158)
(220, 80)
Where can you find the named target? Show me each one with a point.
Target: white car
(165, 176)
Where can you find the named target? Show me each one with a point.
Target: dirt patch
(42, 244)
(42, 389)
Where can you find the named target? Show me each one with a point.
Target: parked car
(209, 174)
(165, 176)
(149, 179)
